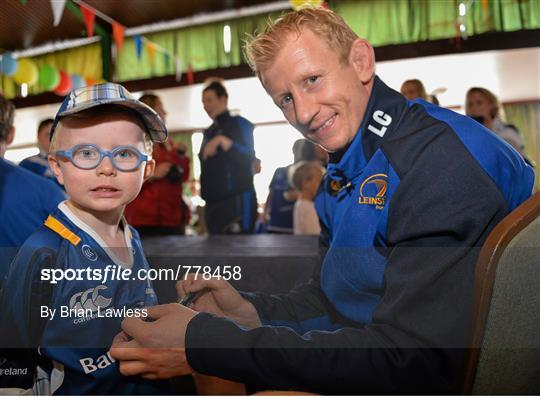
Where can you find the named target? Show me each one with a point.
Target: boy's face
(104, 188)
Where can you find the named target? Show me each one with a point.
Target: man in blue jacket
(411, 193)
(25, 198)
(226, 156)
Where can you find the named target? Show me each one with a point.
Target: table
(273, 263)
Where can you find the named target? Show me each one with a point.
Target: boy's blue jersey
(74, 341)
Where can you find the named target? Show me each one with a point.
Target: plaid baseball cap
(110, 94)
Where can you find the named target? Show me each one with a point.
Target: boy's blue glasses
(89, 156)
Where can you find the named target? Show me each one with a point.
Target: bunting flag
(151, 51)
(118, 33)
(57, 10)
(138, 45)
(190, 75)
(89, 19)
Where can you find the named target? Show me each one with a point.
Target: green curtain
(185, 138)
(385, 22)
(526, 117)
(85, 61)
(382, 22)
(200, 46)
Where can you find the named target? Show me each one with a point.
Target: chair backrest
(505, 354)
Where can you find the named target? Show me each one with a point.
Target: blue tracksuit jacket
(404, 211)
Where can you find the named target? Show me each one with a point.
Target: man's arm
(419, 329)
(242, 151)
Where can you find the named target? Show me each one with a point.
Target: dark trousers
(233, 215)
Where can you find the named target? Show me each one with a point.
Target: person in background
(227, 157)
(160, 208)
(483, 106)
(38, 163)
(306, 179)
(278, 209)
(25, 201)
(412, 89)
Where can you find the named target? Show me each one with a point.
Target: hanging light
(24, 90)
(227, 39)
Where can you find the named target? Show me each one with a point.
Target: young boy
(68, 289)
(306, 178)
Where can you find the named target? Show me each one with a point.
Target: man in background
(227, 156)
(25, 202)
(38, 163)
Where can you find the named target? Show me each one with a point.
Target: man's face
(213, 105)
(43, 137)
(104, 188)
(320, 96)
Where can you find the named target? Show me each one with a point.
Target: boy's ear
(149, 169)
(55, 168)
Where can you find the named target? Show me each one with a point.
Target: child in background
(101, 145)
(306, 178)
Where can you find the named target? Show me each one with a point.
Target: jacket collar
(383, 113)
(222, 117)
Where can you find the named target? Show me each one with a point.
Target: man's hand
(211, 148)
(157, 348)
(220, 298)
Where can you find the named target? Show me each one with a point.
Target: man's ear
(362, 59)
(10, 136)
(149, 169)
(54, 165)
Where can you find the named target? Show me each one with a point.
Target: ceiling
(25, 26)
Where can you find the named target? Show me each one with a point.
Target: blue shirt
(281, 210)
(39, 165)
(25, 201)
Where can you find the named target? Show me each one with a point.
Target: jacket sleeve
(416, 340)
(244, 150)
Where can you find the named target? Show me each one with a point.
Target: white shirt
(305, 219)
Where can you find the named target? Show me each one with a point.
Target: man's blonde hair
(104, 111)
(262, 49)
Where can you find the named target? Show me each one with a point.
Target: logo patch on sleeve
(373, 191)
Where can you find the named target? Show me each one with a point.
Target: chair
(505, 353)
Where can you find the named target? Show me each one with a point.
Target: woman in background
(160, 208)
(483, 106)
